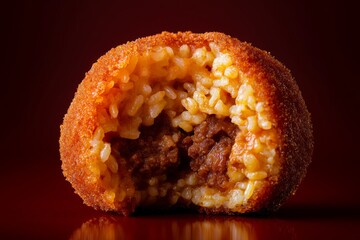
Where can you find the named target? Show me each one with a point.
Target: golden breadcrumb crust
(272, 83)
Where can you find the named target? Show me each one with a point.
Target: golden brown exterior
(272, 83)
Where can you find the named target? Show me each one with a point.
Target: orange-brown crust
(272, 83)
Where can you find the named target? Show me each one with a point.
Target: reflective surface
(166, 227)
(183, 227)
(45, 207)
(330, 223)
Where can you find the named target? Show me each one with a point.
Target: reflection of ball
(99, 228)
(108, 227)
(198, 120)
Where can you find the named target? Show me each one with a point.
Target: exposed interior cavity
(183, 125)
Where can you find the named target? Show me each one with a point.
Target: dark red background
(47, 46)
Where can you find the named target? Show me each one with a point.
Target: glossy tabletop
(48, 209)
(44, 207)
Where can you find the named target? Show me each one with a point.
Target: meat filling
(155, 152)
(210, 148)
(162, 149)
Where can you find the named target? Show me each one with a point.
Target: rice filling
(183, 123)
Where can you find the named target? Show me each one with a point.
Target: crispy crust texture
(272, 83)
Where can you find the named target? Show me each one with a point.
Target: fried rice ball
(200, 121)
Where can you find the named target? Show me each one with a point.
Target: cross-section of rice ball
(182, 119)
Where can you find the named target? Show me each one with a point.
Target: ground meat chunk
(209, 149)
(162, 149)
(155, 152)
